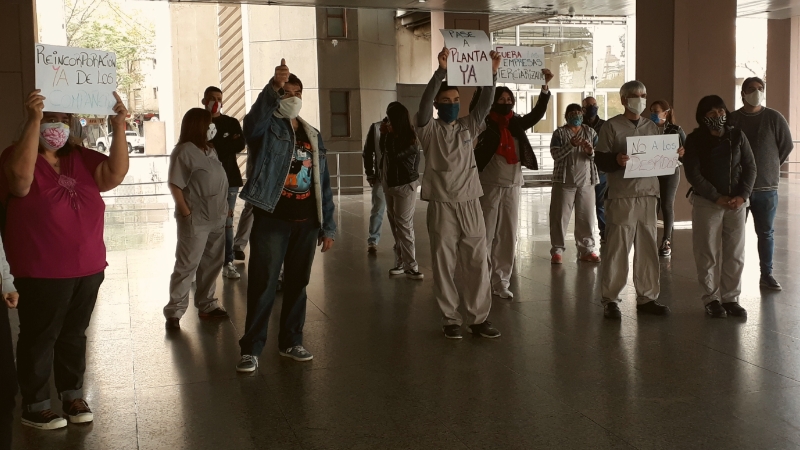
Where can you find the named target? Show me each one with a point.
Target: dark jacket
(719, 166)
(228, 142)
(372, 151)
(401, 163)
(489, 140)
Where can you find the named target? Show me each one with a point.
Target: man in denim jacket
(290, 190)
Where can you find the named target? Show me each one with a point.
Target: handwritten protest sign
(521, 65)
(652, 156)
(469, 63)
(76, 80)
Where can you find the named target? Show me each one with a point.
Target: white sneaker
(397, 270)
(229, 271)
(503, 293)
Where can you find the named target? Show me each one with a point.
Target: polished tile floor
(384, 377)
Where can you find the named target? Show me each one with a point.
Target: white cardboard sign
(521, 65)
(652, 156)
(76, 80)
(469, 63)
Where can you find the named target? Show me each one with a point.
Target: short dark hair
(294, 80)
(750, 80)
(706, 104)
(211, 89)
(573, 107)
(500, 90)
(446, 87)
(194, 127)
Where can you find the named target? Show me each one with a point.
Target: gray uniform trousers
(244, 228)
(401, 201)
(564, 198)
(631, 222)
(458, 245)
(201, 249)
(500, 207)
(718, 242)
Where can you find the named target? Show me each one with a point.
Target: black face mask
(502, 108)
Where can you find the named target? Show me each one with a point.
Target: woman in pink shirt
(53, 237)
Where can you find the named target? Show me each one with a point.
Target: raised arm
(425, 113)
(260, 116)
(21, 164)
(111, 172)
(532, 118)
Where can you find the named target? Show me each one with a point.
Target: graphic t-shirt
(297, 201)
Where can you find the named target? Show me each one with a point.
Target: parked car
(135, 142)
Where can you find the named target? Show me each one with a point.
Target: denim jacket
(271, 141)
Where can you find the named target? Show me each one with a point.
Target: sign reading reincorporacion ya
(76, 80)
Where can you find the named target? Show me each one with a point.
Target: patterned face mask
(53, 136)
(715, 123)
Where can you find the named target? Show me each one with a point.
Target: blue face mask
(448, 111)
(655, 118)
(575, 121)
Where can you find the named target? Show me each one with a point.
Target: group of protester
(50, 189)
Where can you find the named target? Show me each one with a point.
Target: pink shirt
(56, 231)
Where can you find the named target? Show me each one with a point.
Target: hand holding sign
(118, 121)
(622, 159)
(281, 75)
(443, 55)
(34, 106)
(548, 75)
(496, 60)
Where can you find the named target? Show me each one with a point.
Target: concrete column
(18, 34)
(695, 56)
(783, 78)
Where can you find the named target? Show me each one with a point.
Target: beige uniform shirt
(451, 174)
(500, 173)
(613, 139)
(204, 183)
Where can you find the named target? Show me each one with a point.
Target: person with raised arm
(293, 208)
(452, 188)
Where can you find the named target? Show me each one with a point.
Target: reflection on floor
(384, 377)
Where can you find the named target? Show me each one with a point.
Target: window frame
(346, 114)
(329, 16)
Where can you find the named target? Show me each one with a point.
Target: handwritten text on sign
(521, 65)
(652, 156)
(469, 63)
(76, 80)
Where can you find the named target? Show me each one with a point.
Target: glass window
(340, 114)
(337, 26)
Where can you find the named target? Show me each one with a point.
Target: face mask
(637, 105)
(214, 107)
(575, 121)
(212, 131)
(755, 98)
(591, 112)
(289, 108)
(448, 111)
(715, 123)
(503, 109)
(53, 136)
(655, 117)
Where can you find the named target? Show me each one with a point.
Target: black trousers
(8, 375)
(53, 317)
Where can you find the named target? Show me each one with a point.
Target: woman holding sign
(574, 178)
(53, 237)
(502, 149)
(721, 168)
(663, 116)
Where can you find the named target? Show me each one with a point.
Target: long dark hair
(194, 127)
(705, 105)
(400, 120)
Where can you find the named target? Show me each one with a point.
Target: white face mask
(212, 131)
(289, 108)
(637, 105)
(755, 98)
(53, 136)
(214, 107)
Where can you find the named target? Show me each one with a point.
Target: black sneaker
(734, 309)
(238, 255)
(611, 311)
(173, 323)
(43, 420)
(654, 308)
(218, 313)
(485, 329)
(414, 275)
(666, 248)
(715, 310)
(767, 282)
(78, 411)
(452, 331)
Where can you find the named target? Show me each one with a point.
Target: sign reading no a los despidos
(652, 156)
(76, 80)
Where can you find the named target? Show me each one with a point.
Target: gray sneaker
(297, 353)
(247, 364)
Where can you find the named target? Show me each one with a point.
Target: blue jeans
(764, 207)
(376, 215)
(273, 243)
(600, 205)
(233, 194)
